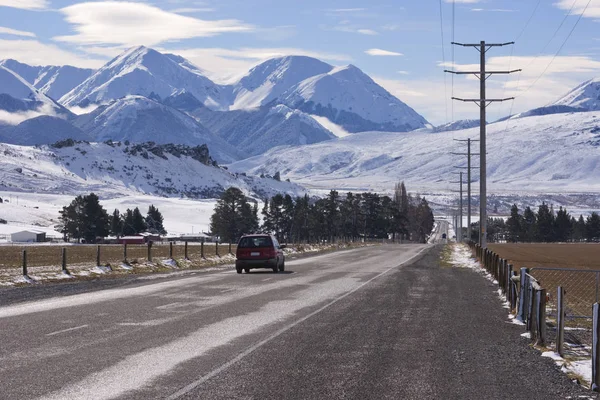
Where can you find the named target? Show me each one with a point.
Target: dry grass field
(47, 255)
(582, 287)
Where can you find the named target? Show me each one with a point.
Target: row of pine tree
(86, 219)
(302, 219)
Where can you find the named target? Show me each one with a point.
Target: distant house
(151, 237)
(28, 236)
(132, 240)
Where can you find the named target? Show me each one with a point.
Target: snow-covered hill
(116, 169)
(17, 95)
(53, 81)
(585, 96)
(350, 98)
(543, 154)
(138, 119)
(457, 125)
(256, 131)
(269, 80)
(143, 71)
(41, 130)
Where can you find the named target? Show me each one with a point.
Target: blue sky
(398, 43)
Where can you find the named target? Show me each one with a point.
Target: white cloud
(593, 11)
(492, 10)
(404, 72)
(83, 110)
(111, 22)
(226, 65)
(25, 4)
(380, 52)
(191, 10)
(367, 32)
(14, 32)
(428, 97)
(36, 53)
(16, 118)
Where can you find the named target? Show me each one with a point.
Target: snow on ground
(41, 211)
(462, 257)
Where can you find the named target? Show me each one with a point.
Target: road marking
(258, 345)
(227, 290)
(268, 279)
(67, 330)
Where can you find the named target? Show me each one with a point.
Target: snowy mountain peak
(350, 98)
(585, 96)
(267, 81)
(142, 71)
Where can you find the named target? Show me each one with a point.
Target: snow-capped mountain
(140, 119)
(115, 169)
(544, 154)
(142, 71)
(350, 98)
(53, 81)
(269, 80)
(42, 130)
(256, 131)
(457, 125)
(17, 95)
(585, 96)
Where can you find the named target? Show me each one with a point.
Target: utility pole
(482, 102)
(459, 224)
(468, 167)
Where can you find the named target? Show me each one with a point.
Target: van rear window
(253, 242)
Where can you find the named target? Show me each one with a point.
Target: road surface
(385, 322)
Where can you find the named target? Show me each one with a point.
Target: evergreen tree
(85, 219)
(154, 221)
(128, 228)
(139, 222)
(116, 224)
(233, 216)
(544, 231)
(277, 176)
(529, 225)
(562, 225)
(593, 227)
(579, 229)
(514, 225)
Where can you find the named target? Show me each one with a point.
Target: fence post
(522, 315)
(532, 319)
(149, 250)
(596, 348)
(64, 261)
(98, 255)
(230, 247)
(560, 323)
(508, 282)
(513, 291)
(170, 250)
(25, 263)
(185, 250)
(202, 249)
(217, 248)
(125, 252)
(541, 317)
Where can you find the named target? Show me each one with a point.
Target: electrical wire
(560, 48)
(444, 58)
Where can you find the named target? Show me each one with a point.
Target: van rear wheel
(238, 270)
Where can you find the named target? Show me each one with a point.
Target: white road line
(250, 350)
(67, 330)
(227, 290)
(268, 279)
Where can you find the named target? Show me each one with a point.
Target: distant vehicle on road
(259, 251)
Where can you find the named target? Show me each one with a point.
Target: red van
(259, 251)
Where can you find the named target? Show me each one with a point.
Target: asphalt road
(383, 322)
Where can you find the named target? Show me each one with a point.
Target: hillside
(114, 169)
(519, 156)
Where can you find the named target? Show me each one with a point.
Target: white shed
(28, 236)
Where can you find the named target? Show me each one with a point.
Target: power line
(560, 48)
(444, 58)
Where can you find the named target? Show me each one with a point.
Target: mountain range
(143, 94)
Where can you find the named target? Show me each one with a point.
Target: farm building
(132, 240)
(28, 236)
